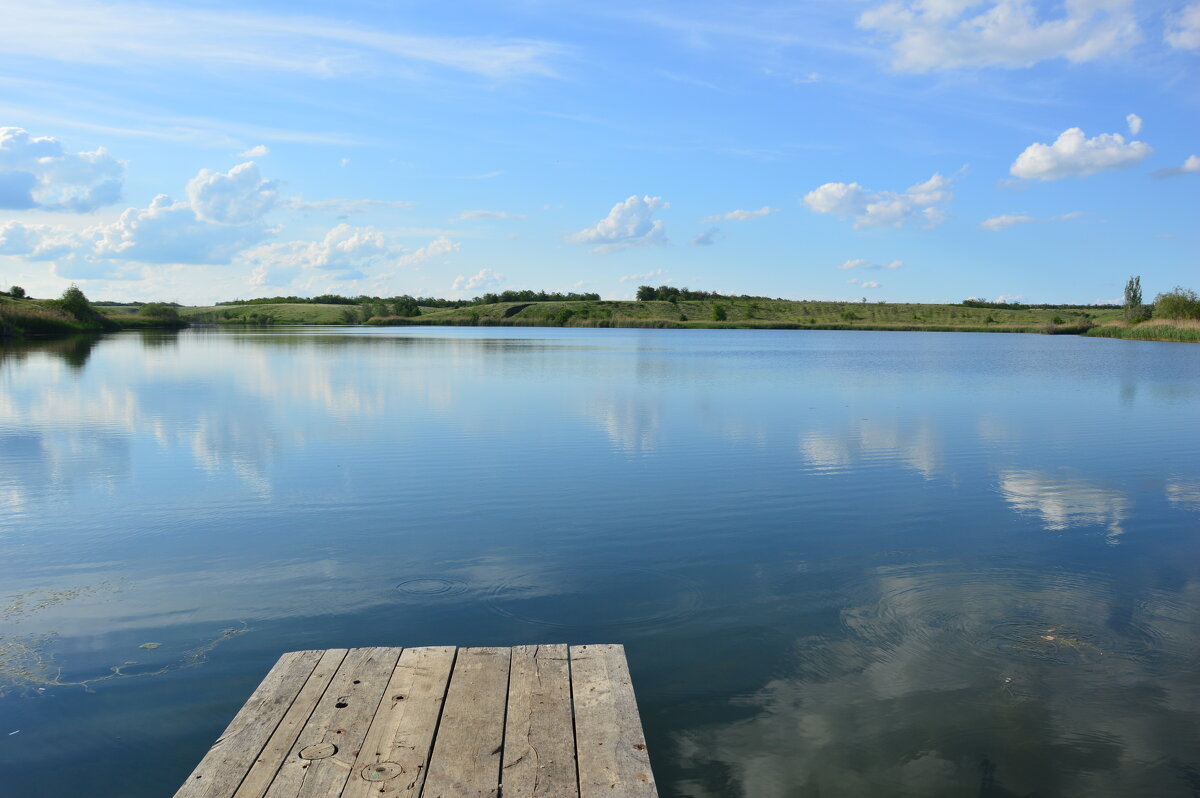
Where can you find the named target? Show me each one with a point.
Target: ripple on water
(596, 597)
(426, 586)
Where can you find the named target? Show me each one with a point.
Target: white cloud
(738, 216)
(949, 34)
(1004, 221)
(482, 279)
(1188, 167)
(37, 242)
(863, 263)
(1183, 28)
(239, 196)
(36, 172)
(628, 224)
(883, 208)
(1065, 501)
(629, 278)
(122, 34)
(1073, 153)
(1135, 124)
(706, 239)
(259, 151)
(863, 283)
(485, 214)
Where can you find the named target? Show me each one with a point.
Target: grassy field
(21, 317)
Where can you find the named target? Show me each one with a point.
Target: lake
(842, 563)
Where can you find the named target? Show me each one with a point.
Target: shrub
(17, 292)
(1179, 303)
(157, 310)
(718, 313)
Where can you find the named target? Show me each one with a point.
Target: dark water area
(842, 563)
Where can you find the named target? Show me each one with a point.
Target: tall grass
(30, 319)
(1182, 330)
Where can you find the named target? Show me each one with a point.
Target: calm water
(843, 564)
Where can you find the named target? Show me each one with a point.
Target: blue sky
(914, 150)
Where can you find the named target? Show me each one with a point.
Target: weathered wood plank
(222, 769)
(539, 734)
(395, 754)
(610, 747)
(466, 752)
(319, 762)
(263, 771)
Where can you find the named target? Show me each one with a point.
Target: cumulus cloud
(258, 151)
(482, 279)
(706, 239)
(738, 216)
(437, 248)
(1004, 221)
(863, 263)
(1183, 28)
(37, 242)
(1073, 153)
(167, 231)
(36, 172)
(883, 208)
(485, 214)
(1135, 124)
(1188, 167)
(629, 224)
(346, 252)
(239, 196)
(929, 35)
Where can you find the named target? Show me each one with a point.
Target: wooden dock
(441, 722)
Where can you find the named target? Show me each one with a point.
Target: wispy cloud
(1190, 166)
(344, 206)
(1004, 221)
(863, 263)
(739, 216)
(117, 34)
(485, 214)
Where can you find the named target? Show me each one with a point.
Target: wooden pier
(545, 721)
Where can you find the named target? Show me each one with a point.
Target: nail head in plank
(395, 754)
(539, 736)
(231, 756)
(466, 752)
(610, 746)
(263, 771)
(341, 717)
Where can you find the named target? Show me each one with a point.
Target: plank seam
(504, 728)
(438, 726)
(267, 740)
(574, 725)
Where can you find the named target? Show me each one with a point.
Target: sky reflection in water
(842, 563)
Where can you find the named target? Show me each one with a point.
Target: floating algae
(32, 601)
(24, 663)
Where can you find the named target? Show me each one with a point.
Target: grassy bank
(36, 317)
(1183, 331)
(280, 313)
(747, 313)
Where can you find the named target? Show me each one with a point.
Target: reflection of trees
(74, 350)
(993, 683)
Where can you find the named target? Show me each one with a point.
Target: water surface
(842, 563)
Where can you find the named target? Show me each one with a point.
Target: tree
(645, 293)
(1133, 298)
(718, 313)
(76, 303)
(17, 292)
